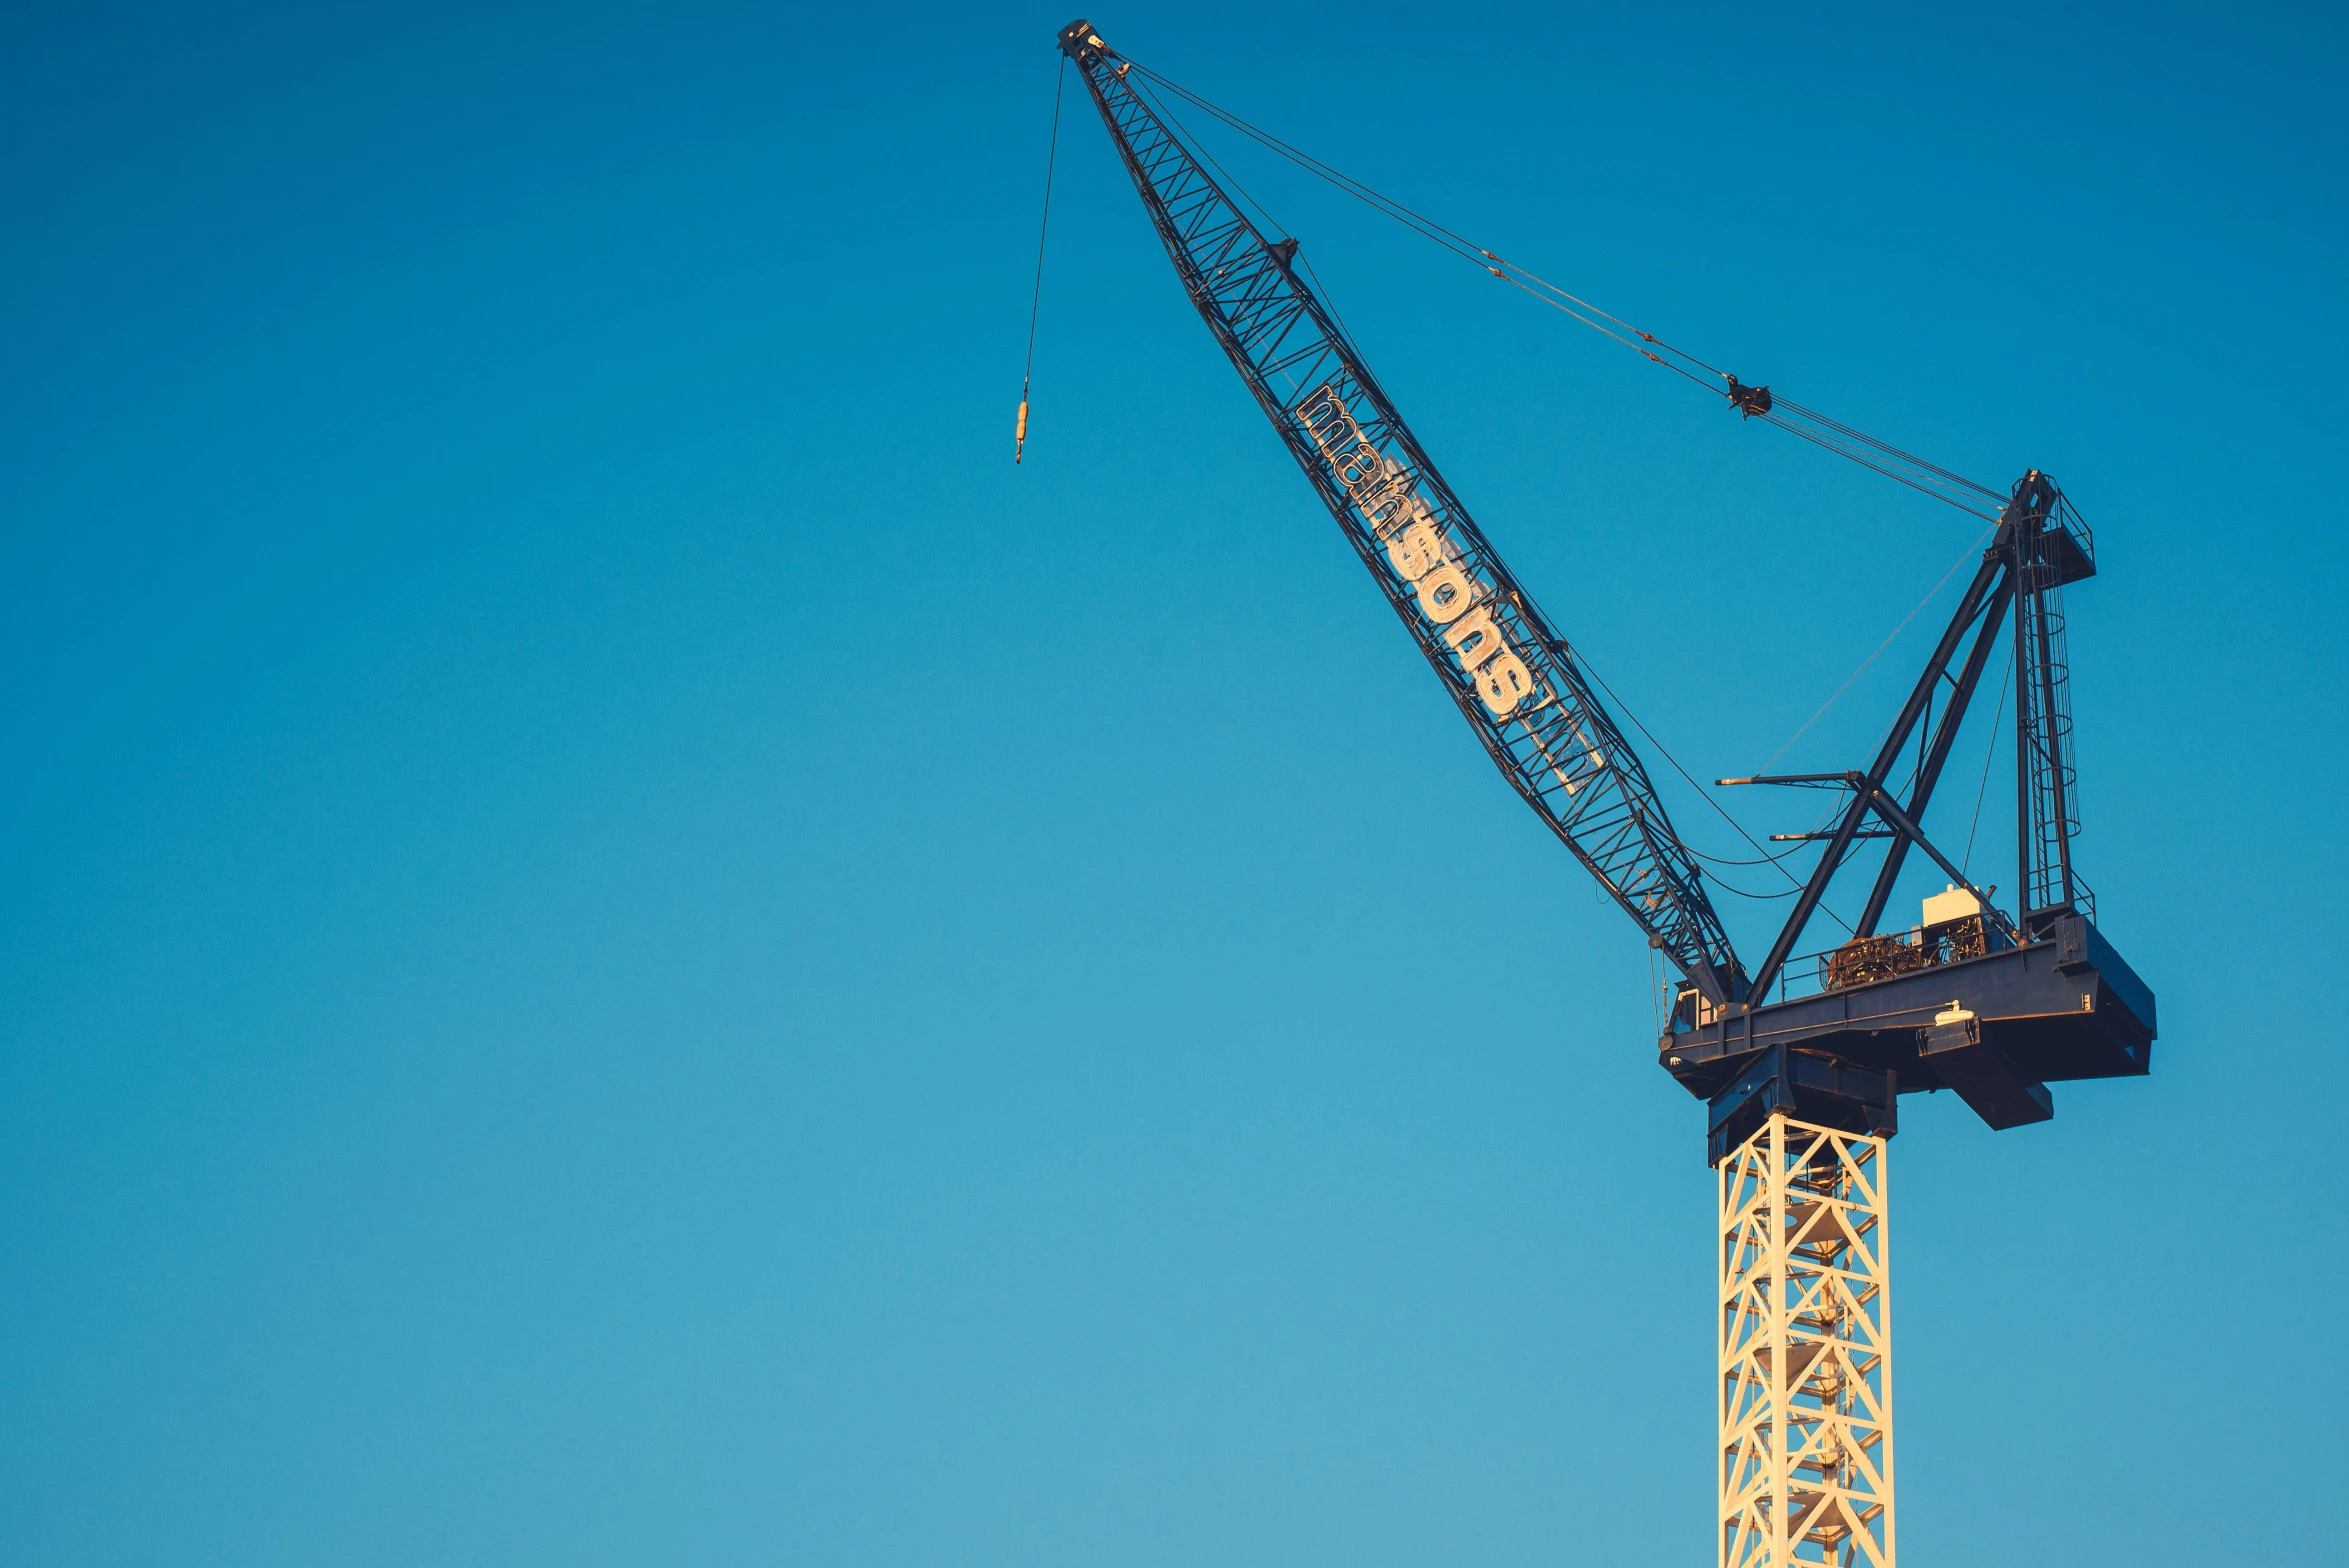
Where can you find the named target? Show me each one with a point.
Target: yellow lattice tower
(1806, 1350)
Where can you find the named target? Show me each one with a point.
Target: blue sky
(623, 945)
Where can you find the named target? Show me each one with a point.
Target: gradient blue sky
(624, 946)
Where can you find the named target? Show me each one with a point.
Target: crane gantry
(1801, 1088)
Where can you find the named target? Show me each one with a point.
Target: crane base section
(1805, 1350)
(1996, 1028)
(1782, 1081)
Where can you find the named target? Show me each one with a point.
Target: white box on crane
(1955, 904)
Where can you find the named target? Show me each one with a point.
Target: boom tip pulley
(1748, 401)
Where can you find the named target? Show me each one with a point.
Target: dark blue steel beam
(1533, 707)
(1953, 715)
(1969, 607)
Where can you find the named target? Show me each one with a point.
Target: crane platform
(1996, 1028)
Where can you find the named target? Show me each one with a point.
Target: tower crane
(1801, 1059)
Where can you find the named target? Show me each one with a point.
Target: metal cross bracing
(1510, 673)
(1536, 711)
(1805, 1306)
(2038, 545)
(1995, 1006)
(1801, 1090)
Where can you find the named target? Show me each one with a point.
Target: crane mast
(1514, 679)
(1801, 1088)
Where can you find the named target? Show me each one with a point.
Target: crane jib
(1419, 552)
(1509, 673)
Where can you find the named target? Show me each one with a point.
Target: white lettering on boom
(1417, 549)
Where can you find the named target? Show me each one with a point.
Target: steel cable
(1829, 435)
(1930, 595)
(1019, 445)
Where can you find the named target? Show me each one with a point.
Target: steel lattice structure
(2048, 535)
(1805, 1350)
(1801, 1089)
(1513, 677)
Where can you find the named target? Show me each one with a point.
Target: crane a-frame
(1801, 1086)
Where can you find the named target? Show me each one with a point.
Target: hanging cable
(1764, 898)
(1019, 435)
(1661, 750)
(1655, 990)
(1759, 860)
(1989, 753)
